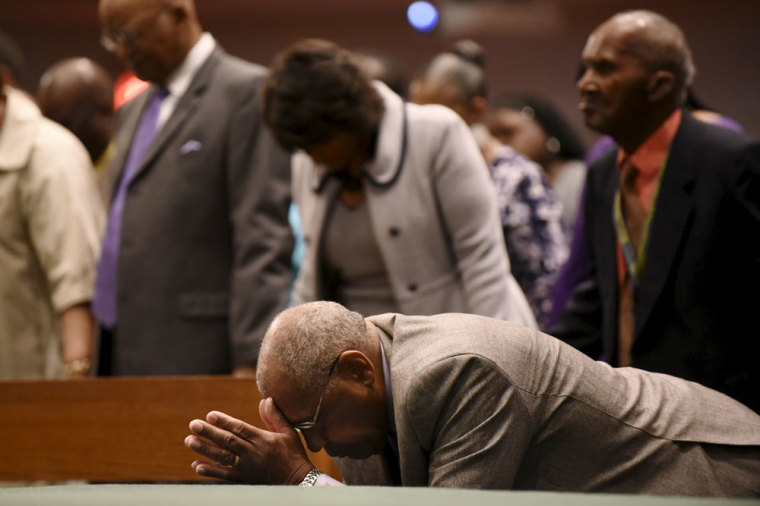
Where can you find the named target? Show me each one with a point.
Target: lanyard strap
(635, 260)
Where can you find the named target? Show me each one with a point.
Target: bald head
(66, 85)
(78, 94)
(656, 41)
(107, 7)
(638, 68)
(304, 341)
(150, 37)
(322, 365)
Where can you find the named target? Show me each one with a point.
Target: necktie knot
(161, 93)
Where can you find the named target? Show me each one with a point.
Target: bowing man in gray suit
(196, 257)
(458, 400)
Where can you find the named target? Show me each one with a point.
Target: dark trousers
(105, 352)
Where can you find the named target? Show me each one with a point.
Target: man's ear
(180, 11)
(661, 85)
(356, 367)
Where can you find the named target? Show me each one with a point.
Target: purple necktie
(104, 301)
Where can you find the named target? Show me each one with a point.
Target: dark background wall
(531, 44)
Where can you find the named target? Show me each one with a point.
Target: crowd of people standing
(157, 240)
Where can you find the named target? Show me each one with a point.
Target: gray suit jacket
(480, 403)
(204, 262)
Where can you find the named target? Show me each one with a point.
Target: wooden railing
(116, 429)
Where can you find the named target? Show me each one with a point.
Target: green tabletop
(229, 495)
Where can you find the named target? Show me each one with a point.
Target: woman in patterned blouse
(529, 208)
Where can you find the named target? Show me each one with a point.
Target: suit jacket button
(412, 287)
(394, 232)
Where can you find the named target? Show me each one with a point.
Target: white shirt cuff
(325, 480)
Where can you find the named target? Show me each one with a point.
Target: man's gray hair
(306, 340)
(662, 46)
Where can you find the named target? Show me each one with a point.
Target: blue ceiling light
(423, 16)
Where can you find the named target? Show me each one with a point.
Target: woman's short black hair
(317, 89)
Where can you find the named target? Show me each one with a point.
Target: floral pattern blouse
(531, 217)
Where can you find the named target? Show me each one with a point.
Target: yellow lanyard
(634, 260)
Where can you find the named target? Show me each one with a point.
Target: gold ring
(237, 461)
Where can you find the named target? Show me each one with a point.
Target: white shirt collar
(180, 79)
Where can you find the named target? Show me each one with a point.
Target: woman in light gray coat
(396, 203)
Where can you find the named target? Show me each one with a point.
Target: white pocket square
(190, 146)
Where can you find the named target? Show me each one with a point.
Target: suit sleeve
(65, 217)
(467, 205)
(471, 422)
(259, 197)
(748, 207)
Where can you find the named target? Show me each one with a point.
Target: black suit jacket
(204, 262)
(695, 311)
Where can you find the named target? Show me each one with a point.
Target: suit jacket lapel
(670, 222)
(185, 106)
(605, 242)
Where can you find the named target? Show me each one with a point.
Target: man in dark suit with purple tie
(196, 258)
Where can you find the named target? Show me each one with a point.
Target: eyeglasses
(299, 427)
(113, 40)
